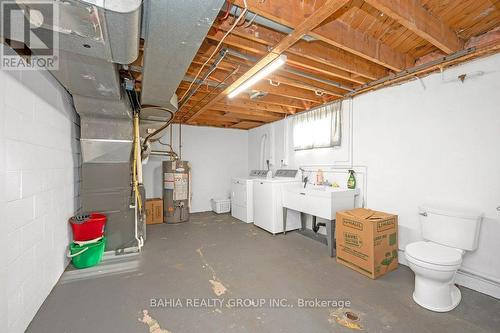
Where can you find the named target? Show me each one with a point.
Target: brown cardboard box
(367, 241)
(154, 211)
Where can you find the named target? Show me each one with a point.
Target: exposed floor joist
(364, 45)
(335, 33)
(413, 15)
(300, 30)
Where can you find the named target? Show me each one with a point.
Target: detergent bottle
(351, 181)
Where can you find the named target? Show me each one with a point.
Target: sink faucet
(305, 179)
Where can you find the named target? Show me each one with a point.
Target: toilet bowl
(435, 267)
(447, 232)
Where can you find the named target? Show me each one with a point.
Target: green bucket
(87, 254)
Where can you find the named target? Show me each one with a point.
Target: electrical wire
(243, 21)
(242, 15)
(215, 88)
(226, 14)
(251, 21)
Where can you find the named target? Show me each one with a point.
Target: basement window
(318, 128)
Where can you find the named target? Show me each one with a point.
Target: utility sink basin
(320, 201)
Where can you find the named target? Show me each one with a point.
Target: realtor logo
(27, 27)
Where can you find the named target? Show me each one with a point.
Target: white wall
(39, 159)
(216, 155)
(417, 144)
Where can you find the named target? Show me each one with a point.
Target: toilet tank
(451, 226)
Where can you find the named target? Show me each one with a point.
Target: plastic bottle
(320, 177)
(351, 181)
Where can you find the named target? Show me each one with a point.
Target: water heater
(176, 191)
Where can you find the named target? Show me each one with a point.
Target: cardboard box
(367, 241)
(154, 211)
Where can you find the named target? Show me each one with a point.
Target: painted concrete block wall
(421, 144)
(216, 155)
(39, 176)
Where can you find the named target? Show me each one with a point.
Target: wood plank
(248, 117)
(312, 21)
(288, 90)
(285, 90)
(264, 115)
(258, 106)
(294, 58)
(291, 13)
(327, 55)
(300, 84)
(275, 100)
(300, 30)
(413, 15)
(300, 62)
(246, 125)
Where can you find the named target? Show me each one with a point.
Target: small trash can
(87, 226)
(87, 253)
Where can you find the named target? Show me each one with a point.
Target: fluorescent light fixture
(271, 67)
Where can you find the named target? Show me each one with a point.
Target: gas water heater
(176, 191)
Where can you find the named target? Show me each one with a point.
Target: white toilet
(448, 232)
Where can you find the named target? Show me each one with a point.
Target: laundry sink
(320, 201)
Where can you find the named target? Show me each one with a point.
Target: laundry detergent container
(88, 253)
(87, 226)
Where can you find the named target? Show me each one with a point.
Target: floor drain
(351, 316)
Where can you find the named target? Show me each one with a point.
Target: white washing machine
(242, 195)
(268, 205)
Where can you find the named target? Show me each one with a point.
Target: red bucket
(88, 226)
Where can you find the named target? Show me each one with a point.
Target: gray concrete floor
(179, 261)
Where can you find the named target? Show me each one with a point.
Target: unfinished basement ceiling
(359, 43)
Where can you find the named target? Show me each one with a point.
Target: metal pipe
(180, 140)
(208, 82)
(163, 153)
(217, 86)
(318, 79)
(199, 82)
(171, 136)
(161, 128)
(287, 69)
(413, 70)
(236, 11)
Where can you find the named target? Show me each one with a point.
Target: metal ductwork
(174, 31)
(95, 38)
(98, 39)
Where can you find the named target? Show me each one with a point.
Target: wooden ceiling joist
(413, 15)
(300, 30)
(259, 106)
(274, 100)
(293, 59)
(232, 109)
(335, 33)
(246, 125)
(329, 56)
(341, 35)
(300, 84)
(345, 53)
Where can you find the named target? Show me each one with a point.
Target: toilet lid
(433, 253)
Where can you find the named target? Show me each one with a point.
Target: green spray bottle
(351, 181)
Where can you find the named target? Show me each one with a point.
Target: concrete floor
(179, 261)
